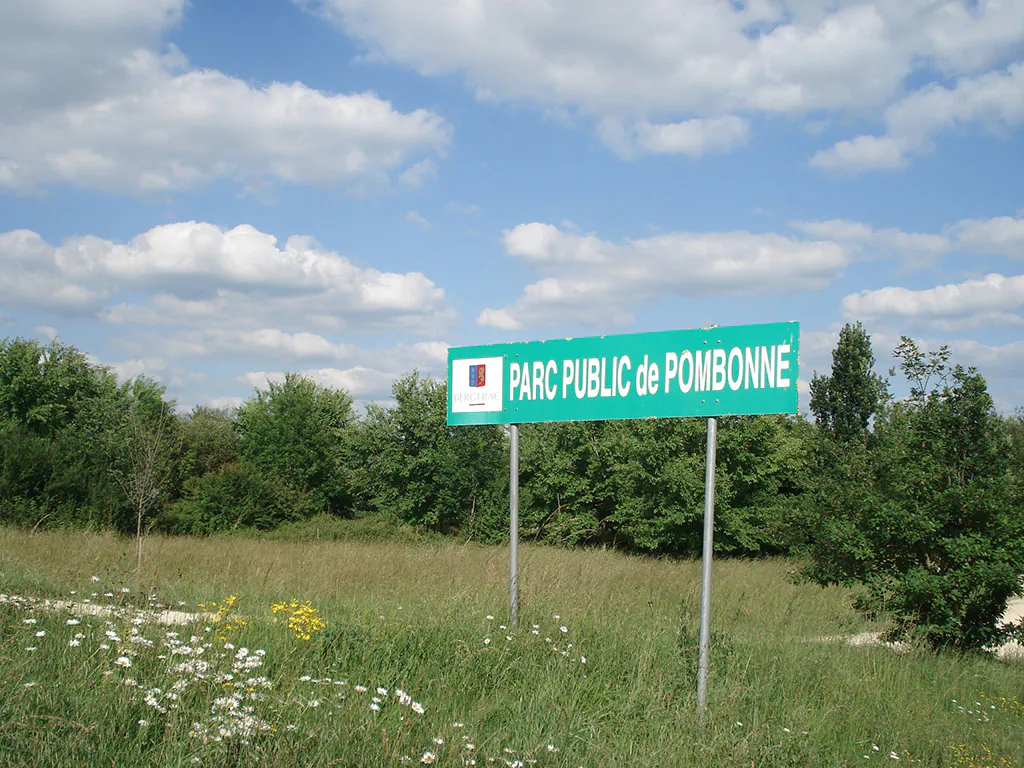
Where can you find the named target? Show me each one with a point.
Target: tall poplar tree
(844, 402)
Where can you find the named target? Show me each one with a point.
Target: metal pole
(705, 579)
(513, 485)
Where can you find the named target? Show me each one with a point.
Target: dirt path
(165, 616)
(1011, 650)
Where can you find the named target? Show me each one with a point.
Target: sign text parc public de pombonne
(722, 371)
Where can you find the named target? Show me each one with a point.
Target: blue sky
(213, 193)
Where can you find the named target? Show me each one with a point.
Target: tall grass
(413, 615)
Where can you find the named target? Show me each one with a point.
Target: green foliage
(58, 424)
(844, 402)
(640, 484)
(47, 389)
(1015, 430)
(414, 469)
(564, 474)
(233, 497)
(364, 530)
(209, 441)
(295, 431)
(924, 514)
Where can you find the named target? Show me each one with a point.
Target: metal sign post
(705, 576)
(513, 486)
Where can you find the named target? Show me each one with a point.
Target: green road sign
(742, 369)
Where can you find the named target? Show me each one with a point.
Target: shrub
(324, 527)
(237, 496)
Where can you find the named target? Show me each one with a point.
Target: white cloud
(1003, 236)
(89, 99)
(652, 62)
(864, 153)
(597, 281)
(999, 236)
(33, 277)
(418, 174)
(417, 219)
(57, 53)
(229, 403)
(278, 345)
(371, 376)
(874, 243)
(992, 102)
(498, 318)
(151, 367)
(991, 359)
(46, 332)
(260, 342)
(194, 274)
(692, 138)
(991, 300)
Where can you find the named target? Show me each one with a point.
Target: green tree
(844, 402)
(44, 389)
(1015, 428)
(924, 515)
(565, 474)
(209, 441)
(59, 418)
(296, 431)
(415, 469)
(639, 484)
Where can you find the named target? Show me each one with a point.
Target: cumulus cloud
(197, 274)
(1002, 236)
(991, 300)
(372, 372)
(992, 102)
(91, 99)
(650, 68)
(259, 342)
(597, 281)
(998, 236)
(875, 243)
(991, 359)
(150, 367)
(418, 174)
(693, 138)
(864, 153)
(362, 383)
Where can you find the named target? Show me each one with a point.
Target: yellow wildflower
(303, 619)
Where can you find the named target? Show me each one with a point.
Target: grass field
(601, 671)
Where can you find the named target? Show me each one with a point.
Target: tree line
(909, 497)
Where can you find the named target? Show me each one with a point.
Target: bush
(363, 530)
(237, 496)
